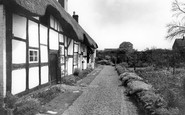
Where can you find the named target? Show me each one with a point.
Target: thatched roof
(40, 7)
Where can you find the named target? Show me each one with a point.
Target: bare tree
(177, 28)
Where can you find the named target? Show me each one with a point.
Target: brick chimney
(75, 16)
(64, 4)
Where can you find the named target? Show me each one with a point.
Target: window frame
(34, 56)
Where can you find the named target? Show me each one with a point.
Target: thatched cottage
(39, 44)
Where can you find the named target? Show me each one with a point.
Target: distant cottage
(179, 44)
(39, 44)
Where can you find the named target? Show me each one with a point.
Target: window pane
(33, 55)
(35, 58)
(31, 58)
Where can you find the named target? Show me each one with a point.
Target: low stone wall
(143, 93)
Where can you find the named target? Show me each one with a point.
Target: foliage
(69, 80)
(159, 58)
(105, 62)
(126, 46)
(177, 28)
(120, 69)
(124, 64)
(149, 101)
(47, 95)
(29, 106)
(84, 73)
(77, 75)
(170, 86)
(10, 100)
(76, 72)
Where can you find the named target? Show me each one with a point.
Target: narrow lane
(102, 97)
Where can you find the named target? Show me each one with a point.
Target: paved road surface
(103, 96)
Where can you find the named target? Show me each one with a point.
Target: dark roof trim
(39, 8)
(90, 42)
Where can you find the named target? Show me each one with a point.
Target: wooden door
(53, 67)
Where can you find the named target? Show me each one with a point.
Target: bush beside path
(144, 94)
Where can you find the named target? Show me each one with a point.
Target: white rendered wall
(2, 51)
(62, 70)
(44, 75)
(18, 52)
(70, 66)
(43, 35)
(18, 81)
(33, 34)
(52, 22)
(33, 77)
(80, 57)
(70, 48)
(75, 48)
(75, 67)
(61, 38)
(19, 26)
(66, 5)
(44, 53)
(53, 40)
(93, 61)
(85, 63)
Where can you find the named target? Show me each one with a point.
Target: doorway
(53, 68)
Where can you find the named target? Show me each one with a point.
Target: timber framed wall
(30, 44)
(34, 46)
(2, 52)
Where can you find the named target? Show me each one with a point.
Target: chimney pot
(75, 16)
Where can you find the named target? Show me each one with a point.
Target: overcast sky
(111, 22)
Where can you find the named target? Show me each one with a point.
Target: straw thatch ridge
(40, 7)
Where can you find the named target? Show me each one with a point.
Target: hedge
(144, 94)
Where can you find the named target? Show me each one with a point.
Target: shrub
(84, 73)
(76, 72)
(29, 106)
(105, 62)
(183, 87)
(10, 100)
(47, 95)
(124, 64)
(171, 87)
(120, 69)
(69, 80)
